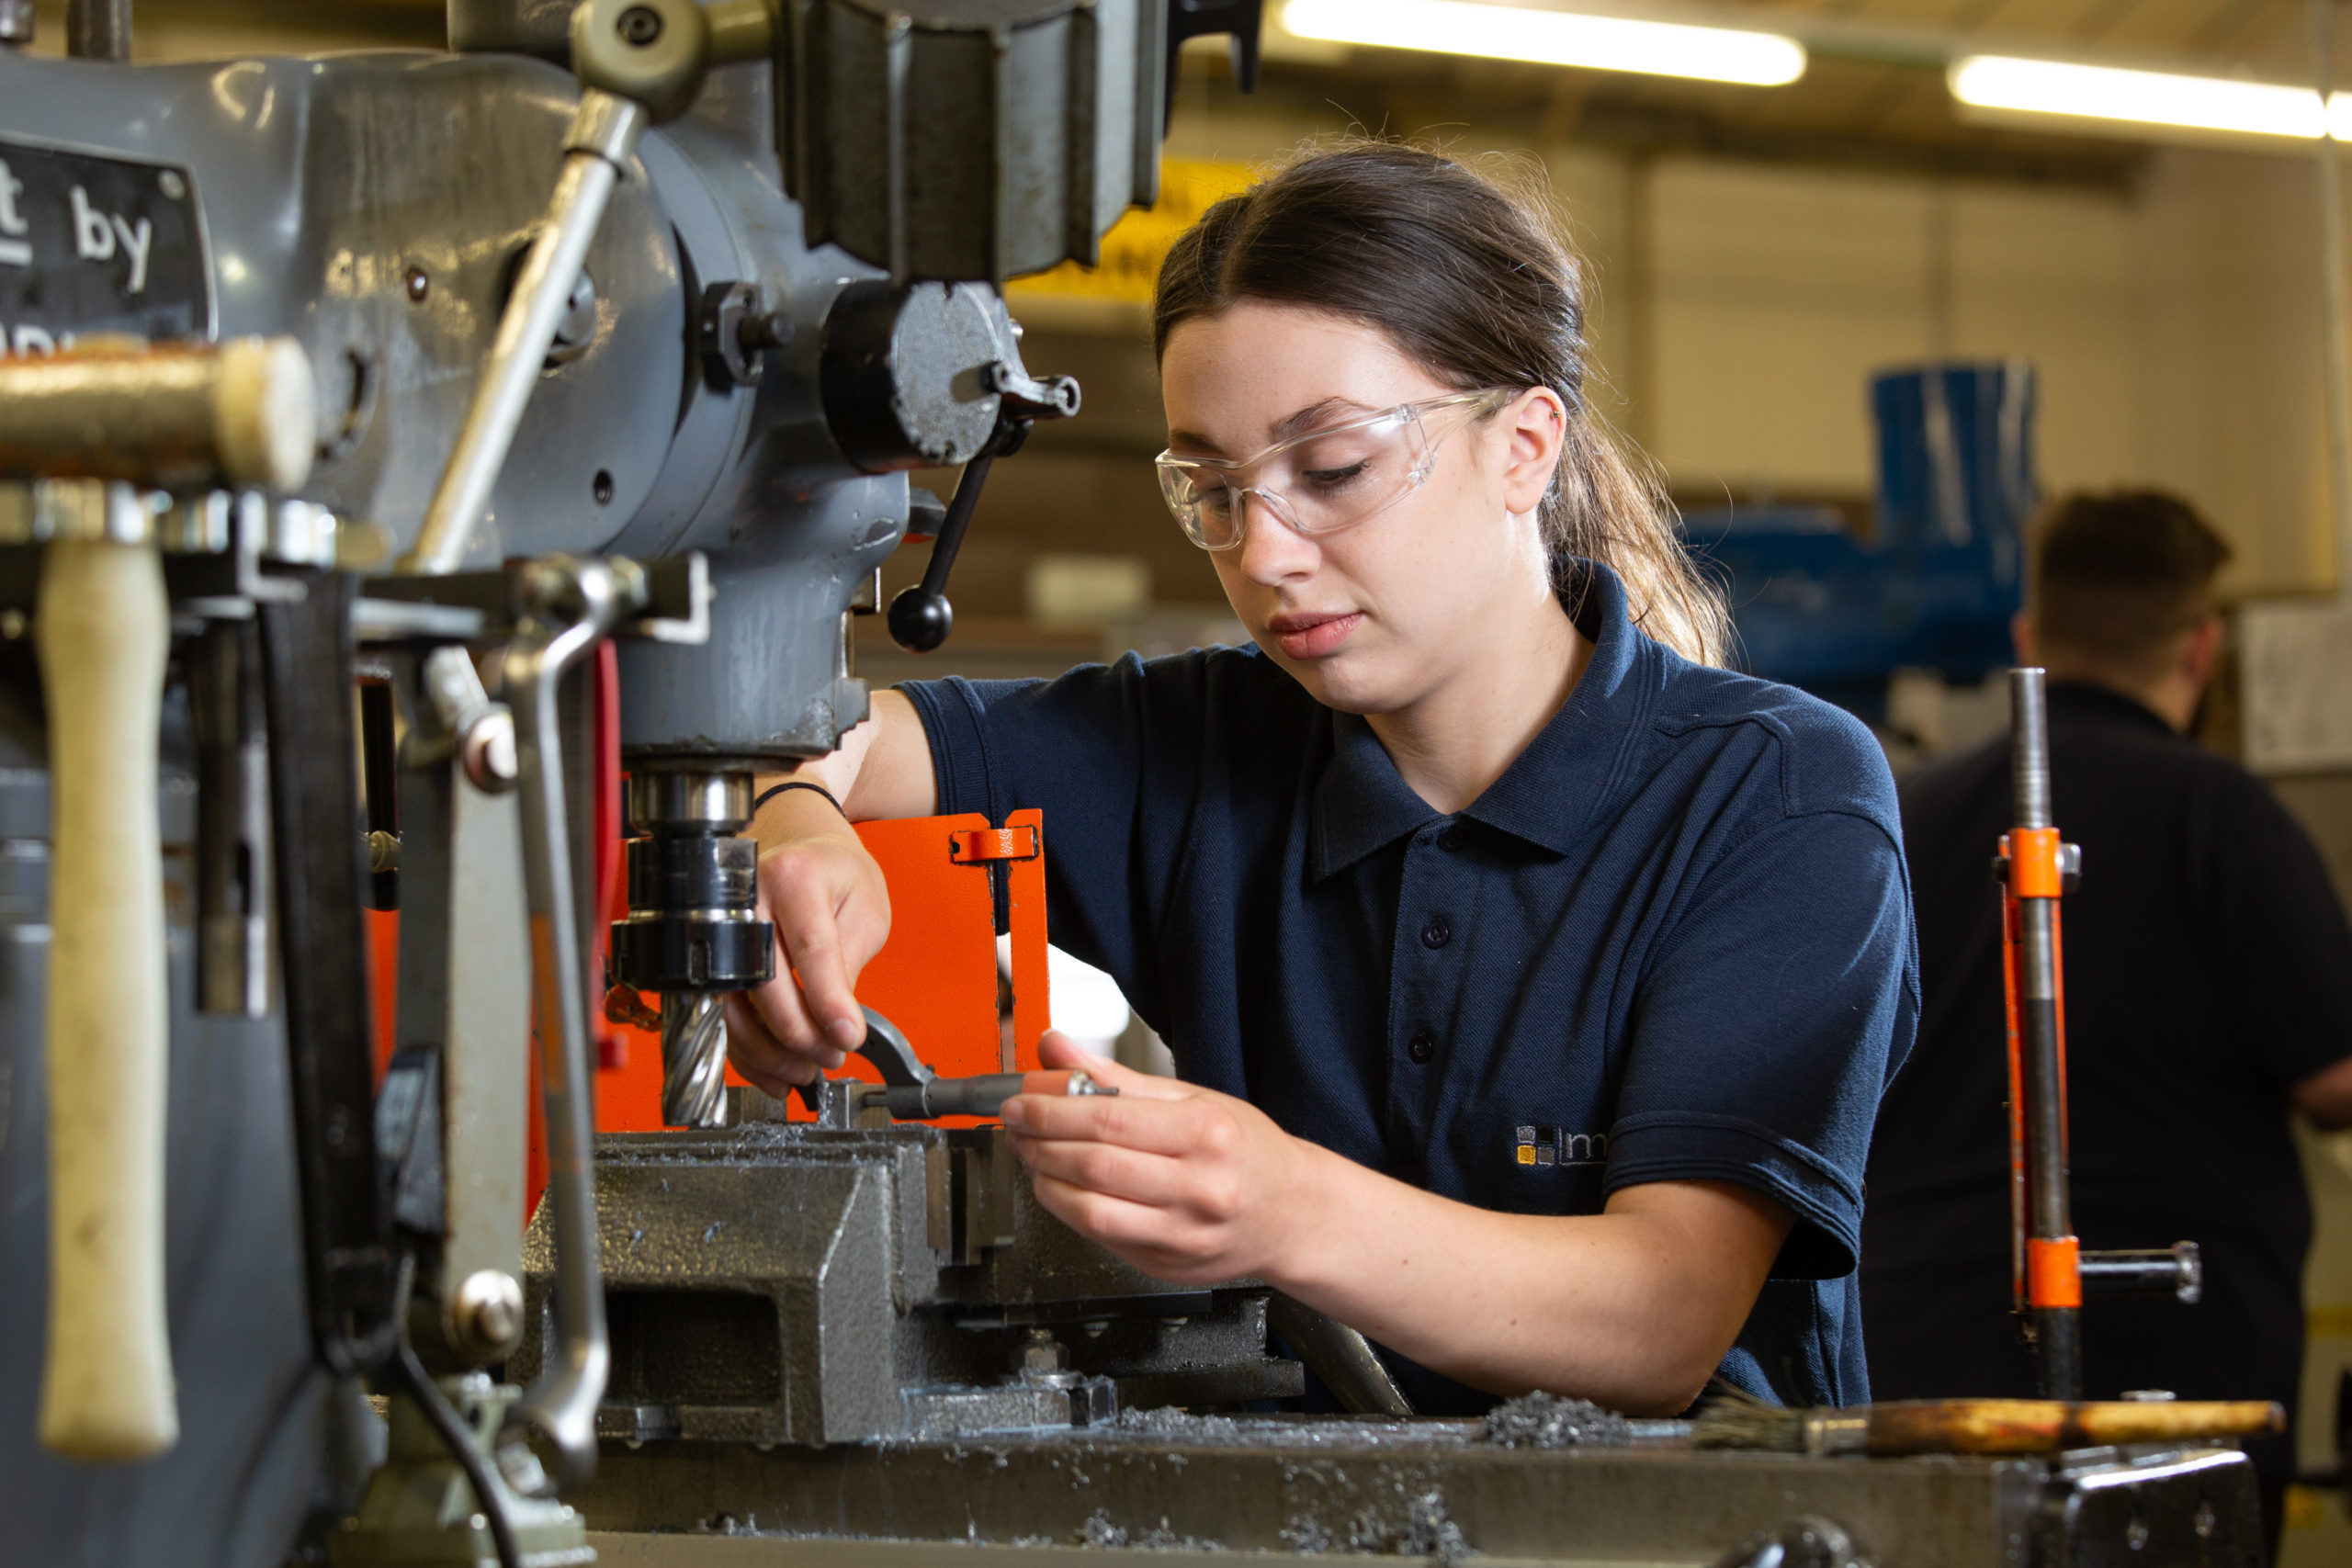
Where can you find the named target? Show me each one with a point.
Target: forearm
(881, 769)
(1633, 1308)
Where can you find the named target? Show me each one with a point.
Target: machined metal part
(2178, 1271)
(98, 29)
(564, 607)
(979, 1096)
(18, 23)
(680, 797)
(983, 1095)
(179, 416)
(693, 925)
(602, 140)
(944, 141)
(694, 1058)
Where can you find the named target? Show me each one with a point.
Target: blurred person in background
(2209, 998)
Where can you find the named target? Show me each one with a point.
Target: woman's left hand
(1187, 1185)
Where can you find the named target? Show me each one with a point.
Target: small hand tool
(910, 1091)
(1734, 1420)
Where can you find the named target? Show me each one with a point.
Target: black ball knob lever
(920, 619)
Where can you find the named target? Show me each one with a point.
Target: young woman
(1532, 980)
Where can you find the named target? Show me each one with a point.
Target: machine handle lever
(920, 616)
(565, 605)
(603, 137)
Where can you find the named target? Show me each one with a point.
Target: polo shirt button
(1421, 1047)
(1437, 933)
(1450, 840)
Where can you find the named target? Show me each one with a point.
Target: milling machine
(316, 385)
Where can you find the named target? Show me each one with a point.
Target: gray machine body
(270, 1445)
(373, 206)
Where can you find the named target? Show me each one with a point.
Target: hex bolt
(487, 1312)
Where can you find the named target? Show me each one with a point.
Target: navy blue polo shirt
(1671, 942)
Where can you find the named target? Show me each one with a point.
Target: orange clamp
(2053, 1272)
(974, 844)
(2033, 863)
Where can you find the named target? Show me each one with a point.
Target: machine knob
(920, 622)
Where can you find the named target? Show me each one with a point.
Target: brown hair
(2117, 577)
(1479, 286)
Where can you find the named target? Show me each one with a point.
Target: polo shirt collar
(2086, 699)
(1550, 792)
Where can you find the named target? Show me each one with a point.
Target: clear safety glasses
(1322, 482)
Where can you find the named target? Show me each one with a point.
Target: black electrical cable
(451, 1428)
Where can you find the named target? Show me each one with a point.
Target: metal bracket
(666, 600)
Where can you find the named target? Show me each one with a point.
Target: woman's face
(1376, 616)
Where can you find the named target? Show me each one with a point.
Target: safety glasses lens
(1318, 484)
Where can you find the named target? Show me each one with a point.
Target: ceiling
(1874, 94)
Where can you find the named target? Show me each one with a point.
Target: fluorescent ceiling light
(2147, 97)
(1552, 38)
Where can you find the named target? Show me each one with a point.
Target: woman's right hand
(832, 912)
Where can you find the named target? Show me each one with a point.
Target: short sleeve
(1109, 754)
(2282, 929)
(1766, 1028)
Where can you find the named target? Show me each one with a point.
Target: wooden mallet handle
(103, 629)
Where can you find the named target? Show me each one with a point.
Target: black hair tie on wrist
(774, 790)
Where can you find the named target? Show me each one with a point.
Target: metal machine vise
(845, 1281)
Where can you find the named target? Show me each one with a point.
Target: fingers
(806, 922)
(1159, 1181)
(1149, 1126)
(1142, 1234)
(757, 1055)
(1057, 1050)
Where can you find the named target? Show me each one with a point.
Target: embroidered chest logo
(1557, 1146)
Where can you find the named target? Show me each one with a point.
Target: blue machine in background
(1935, 587)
